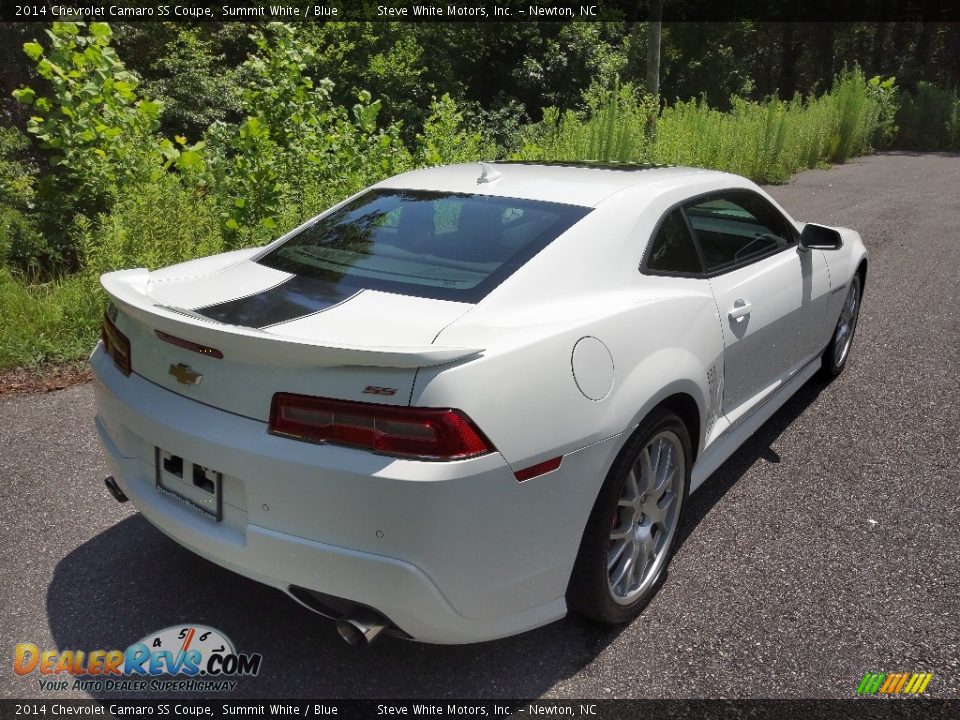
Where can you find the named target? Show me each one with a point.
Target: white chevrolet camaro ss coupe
(469, 398)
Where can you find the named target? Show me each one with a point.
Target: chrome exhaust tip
(114, 489)
(362, 629)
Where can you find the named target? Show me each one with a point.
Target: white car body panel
(459, 551)
(777, 333)
(196, 285)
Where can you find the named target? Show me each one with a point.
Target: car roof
(573, 183)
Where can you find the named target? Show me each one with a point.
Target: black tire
(589, 592)
(832, 363)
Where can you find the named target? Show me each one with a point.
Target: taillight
(423, 433)
(116, 344)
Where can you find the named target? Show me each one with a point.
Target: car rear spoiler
(128, 289)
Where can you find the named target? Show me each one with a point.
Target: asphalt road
(828, 546)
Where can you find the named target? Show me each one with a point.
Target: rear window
(448, 246)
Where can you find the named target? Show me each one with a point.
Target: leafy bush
(20, 238)
(767, 141)
(97, 134)
(17, 173)
(99, 131)
(444, 138)
(22, 242)
(887, 97)
(296, 150)
(856, 116)
(196, 85)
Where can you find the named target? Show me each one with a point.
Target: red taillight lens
(424, 433)
(539, 469)
(116, 344)
(189, 345)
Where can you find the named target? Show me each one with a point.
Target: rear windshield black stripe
(294, 298)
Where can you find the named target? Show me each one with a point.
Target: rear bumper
(451, 552)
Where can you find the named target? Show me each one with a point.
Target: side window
(738, 227)
(672, 249)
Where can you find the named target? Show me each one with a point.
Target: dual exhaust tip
(360, 630)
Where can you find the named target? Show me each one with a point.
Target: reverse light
(116, 344)
(421, 433)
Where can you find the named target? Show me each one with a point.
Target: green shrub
(22, 244)
(444, 138)
(97, 134)
(99, 131)
(616, 126)
(197, 86)
(929, 119)
(296, 150)
(17, 171)
(887, 97)
(769, 141)
(856, 116)
(21, 241)
(159, 222)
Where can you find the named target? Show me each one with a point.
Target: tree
(653, 47)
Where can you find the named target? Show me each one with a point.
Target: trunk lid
(275, 334)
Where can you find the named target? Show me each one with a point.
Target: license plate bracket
(196, 487)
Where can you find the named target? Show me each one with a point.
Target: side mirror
(820, 237)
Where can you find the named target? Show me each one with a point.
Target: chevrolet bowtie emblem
(184, 375)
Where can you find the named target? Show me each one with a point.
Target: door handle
(740, 309)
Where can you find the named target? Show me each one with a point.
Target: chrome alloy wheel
(645, 519)
(846, 324)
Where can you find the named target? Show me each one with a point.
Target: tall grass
(617, 125)
(46, 321)
(767, 141)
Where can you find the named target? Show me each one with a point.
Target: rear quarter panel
(663, 333)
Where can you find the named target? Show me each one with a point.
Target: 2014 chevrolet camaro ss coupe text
(471, 397)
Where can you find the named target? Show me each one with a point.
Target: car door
(771, 295)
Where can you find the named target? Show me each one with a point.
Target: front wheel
(837, 352)
(629, 536)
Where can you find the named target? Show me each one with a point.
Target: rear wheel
(838, 351)
(629, 536)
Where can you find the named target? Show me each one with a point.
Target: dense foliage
(145, 145)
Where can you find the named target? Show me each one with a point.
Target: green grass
(770, 141)
(615, 127)
(56, 320)
(766, 141)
